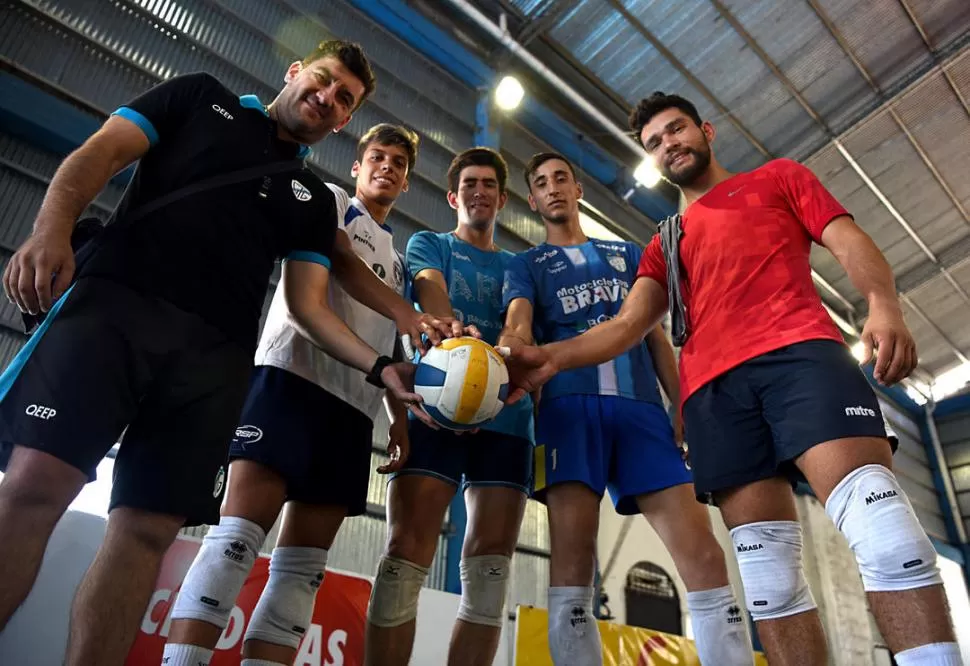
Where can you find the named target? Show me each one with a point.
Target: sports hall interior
(873, 96)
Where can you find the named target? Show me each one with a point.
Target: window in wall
(652, 601)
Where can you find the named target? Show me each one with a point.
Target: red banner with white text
(335, 638)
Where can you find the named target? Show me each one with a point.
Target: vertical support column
(486, 126)
(487, 135)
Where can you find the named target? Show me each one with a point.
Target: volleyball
(463, 381)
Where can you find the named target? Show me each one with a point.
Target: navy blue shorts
(319, 444)
(484, 458)
(752, 422)
(109, 360)
(607, 442)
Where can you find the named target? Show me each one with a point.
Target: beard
(688, 174)
(289, 115)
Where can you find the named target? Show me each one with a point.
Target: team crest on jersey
(617, 262)
(300, 191)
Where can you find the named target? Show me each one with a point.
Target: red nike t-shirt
(746, 276)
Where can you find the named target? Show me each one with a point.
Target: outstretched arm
(305, 290)
(363, 285)
(531, 367)
(643, 309)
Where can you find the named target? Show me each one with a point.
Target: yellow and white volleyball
(463, 381)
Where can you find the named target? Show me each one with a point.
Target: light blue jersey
(572, 289)
(474, 280)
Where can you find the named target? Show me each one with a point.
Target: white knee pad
(770, 558)
(219, 571)
(394, 597)
(874, 514)
(484, 581)
(285, 607)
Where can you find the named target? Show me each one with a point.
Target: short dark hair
(538, 160)
(659, 101)
(386, 134)
(351, 55)
(478, 156)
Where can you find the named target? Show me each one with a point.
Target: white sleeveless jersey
(281, 346)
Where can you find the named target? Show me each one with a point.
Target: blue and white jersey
(282, 346)
(474, 278)
(573, 289)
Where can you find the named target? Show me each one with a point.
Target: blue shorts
(607, 442)
(752, 422)
(484, 458)
(319, 444)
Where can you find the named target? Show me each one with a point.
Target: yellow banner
(622, 645)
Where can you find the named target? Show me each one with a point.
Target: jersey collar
(359, 205)
(252, 102)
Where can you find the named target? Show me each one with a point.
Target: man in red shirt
(770, 393)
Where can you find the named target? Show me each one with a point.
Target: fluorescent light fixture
(509, 93)
(647, 174)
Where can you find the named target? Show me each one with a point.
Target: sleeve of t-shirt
(813, 205)
(161, 110)
(518, 281)
(652, 262)
(424, 251)
(342, 200)
(314, 242)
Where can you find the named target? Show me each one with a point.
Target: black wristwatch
(374, 376)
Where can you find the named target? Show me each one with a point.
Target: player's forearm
(665, 363)
(363, 285)
(871, 274)
(397, 412)
(76, 183)
(515, 334)
(327, 331)
(433, 299)
(597, 345)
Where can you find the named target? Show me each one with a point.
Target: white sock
(574, 637)
(933, 654)
(720, 629)
(183, 654)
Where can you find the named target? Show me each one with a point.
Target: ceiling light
(647, 174)
(509, 93)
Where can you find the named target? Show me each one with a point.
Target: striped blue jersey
(572, 289)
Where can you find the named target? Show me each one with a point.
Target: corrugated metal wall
(955, 438)
(911, 466)
(104, 52)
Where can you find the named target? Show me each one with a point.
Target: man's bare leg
(494, 518)
(574, 514)
(795, 639)
(416, 506)
(35, 492)
(305, 526)
(684, 526)
(256, 493)
(906, 618)
(114, 593)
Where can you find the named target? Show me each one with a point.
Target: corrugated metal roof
(765, 61)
